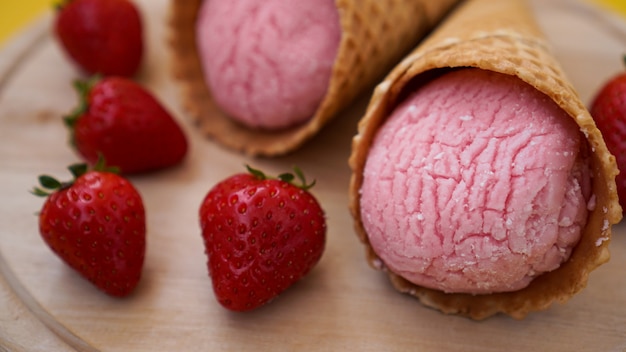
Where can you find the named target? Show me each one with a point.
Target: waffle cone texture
(376, 34)
(500, 36)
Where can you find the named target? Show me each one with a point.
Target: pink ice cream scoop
(268, 63)
(477, 183)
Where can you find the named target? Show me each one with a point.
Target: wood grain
(342, 305)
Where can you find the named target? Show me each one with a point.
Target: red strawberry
(101, 36)
(121, 120)
(609, 112)
(261, 236)
(97, 225)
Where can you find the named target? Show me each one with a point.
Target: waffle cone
(500, 36)
(376, 34)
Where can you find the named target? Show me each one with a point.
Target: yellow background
(16, 14)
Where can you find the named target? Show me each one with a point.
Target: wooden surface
(341, 305)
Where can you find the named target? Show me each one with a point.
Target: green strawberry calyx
(60, 4)
(285, 177)
(83, 87)
(49, 184)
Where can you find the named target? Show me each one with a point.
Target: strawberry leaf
(83, 87)
(77, 170)
(59, 5)
(49, 182)
(285, 177)
(101, 165)
(302, 179)
(39, 192)
(256, 173)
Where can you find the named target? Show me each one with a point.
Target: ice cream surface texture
(477, 183)
(268, 63)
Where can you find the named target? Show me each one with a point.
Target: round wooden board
(341, 305)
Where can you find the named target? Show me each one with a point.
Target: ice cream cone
(500, 36)
(376, 34)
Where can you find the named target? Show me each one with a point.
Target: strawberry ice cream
(477, 183)
(268, 63)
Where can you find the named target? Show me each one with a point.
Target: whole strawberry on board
(261, 235)
(608, 109)
(96, 224)
(125, 123)
(101, 36)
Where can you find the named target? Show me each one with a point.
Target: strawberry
(121, 120)
(608, 109)
(96, 224)
(261, 235)
(101, 36)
